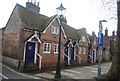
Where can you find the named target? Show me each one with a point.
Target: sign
(100, 39)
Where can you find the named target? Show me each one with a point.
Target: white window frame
(83, 38)
(84, 50)
(80, 50)
(56, 49)
(47, 48)
(54, 30)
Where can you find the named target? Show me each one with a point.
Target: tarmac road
(8, 73)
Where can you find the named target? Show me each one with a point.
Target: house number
(30, 47)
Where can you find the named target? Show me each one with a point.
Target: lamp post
(100, 45)
(60, 13)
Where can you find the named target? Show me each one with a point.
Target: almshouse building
(32, 39)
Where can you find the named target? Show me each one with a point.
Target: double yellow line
(22, 73)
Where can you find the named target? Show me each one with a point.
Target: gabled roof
(36, 21)
(73, 33)
(70, 32)
(68, 43)
(81, 32)
(92, 38)
(33, 20)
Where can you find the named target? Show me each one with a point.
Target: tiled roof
(70, 32)
(73, 33)
(33, 20)
(81, 32)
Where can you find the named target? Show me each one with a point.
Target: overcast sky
(79, 13)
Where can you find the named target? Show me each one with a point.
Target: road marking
(21, 73)
(94, 71)
(65, 73)
(3, 76)
(70, 75)
(73, 71)
(90, 67)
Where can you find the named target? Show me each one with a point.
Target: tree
(114, 71)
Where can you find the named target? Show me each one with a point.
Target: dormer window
(83, 39)
(54, 30)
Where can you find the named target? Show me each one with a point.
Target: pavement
(84, 72)
(81, 72)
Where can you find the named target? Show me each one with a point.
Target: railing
(79, 58)
(111, 56)
(91, 59)
(68, 59)
(40, 57)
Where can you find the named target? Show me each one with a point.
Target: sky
(79, 13)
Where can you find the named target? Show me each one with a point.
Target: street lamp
(100, 44)
(100, 25)
(60, 11)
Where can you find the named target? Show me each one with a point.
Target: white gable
(35, 35)
(59, 23)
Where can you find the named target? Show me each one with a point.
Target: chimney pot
(35, 2)
(38, 4)
(113, 33)
(106, 32)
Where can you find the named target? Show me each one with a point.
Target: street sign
(100, 39)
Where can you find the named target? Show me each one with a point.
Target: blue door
(72, 53)
(93, 55)
(30, 53)
(66, 52)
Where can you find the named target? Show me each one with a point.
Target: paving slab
(85, 72)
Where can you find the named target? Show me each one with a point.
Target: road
(84, 72)
(8, 73)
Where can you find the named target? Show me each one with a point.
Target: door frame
(35, 58)
(94, 60)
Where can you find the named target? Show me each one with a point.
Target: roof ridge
(30, 10)
(69, 26)
(31, 19)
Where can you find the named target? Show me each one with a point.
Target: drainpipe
(39, 35)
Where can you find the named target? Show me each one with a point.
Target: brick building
(92, 54)
(106, 50)
(106, 53)
(32, 38)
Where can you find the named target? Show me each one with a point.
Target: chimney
(63, 19)
(113, 33)
(32, 6)
(38, 4)
(93, 33)
(35, 2)
(106, 32)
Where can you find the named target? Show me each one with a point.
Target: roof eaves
(50, 22)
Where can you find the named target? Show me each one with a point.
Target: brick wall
(24, 35)
(12, 35)
(0, 41)
(83, 45)
(50, 59)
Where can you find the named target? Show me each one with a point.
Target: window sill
(46, 52)
(55, 33)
